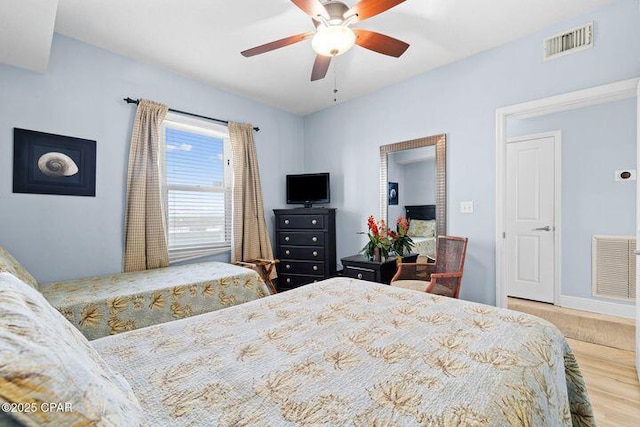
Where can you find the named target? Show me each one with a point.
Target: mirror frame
(440, 142)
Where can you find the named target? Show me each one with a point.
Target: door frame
(557, 199)
(582, 98)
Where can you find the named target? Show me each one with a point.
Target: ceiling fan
(333, 35)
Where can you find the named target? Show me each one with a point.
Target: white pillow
(9, 264)
(44, 360)
(422, 228)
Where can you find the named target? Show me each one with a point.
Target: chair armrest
(268, 261)
(440, 279)
(244, 264)
(444, 275)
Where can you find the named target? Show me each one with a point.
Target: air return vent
(613, 267)
(571, 41)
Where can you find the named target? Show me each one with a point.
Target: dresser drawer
(290, 281)
(301, 267)
(301, 238)
(359, 273)
(301, 252)
(301, 221)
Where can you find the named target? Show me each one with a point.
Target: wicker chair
(263, 267)
(442, 277)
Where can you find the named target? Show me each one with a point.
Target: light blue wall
(420, 186)
(61, 237)
(596, 142)
(460, 100)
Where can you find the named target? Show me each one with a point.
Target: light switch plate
(466, 207)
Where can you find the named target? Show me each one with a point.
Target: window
(197, 187)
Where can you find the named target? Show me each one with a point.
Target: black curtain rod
(224, 122)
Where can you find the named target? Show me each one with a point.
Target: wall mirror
(413, 184)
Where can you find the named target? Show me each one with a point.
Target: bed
(106, 305)
(424, 235)
(338, 352)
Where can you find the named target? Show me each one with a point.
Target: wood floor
(612, 383)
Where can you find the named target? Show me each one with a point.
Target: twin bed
(341, 352)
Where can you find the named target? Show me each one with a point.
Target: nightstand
(359, 267)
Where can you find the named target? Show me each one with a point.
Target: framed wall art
(393, 193)
(45, 163)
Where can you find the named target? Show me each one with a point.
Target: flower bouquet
(380, 240)
(402, 243)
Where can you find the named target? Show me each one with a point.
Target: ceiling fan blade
(380, 43)
(365, 9)
(313, 8)
(320, 67)
(268, 47)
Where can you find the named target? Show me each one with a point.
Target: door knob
(545, 228)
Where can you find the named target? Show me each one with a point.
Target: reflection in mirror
(414, 172)
(412, 185)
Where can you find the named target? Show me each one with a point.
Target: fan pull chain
(335, 81)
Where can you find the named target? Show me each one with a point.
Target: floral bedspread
(107, 305)
(344, 352)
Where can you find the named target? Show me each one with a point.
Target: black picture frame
(44, 163)
(392, 193)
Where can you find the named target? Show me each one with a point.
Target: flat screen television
(308, 189)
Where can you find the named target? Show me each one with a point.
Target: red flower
(372, 225)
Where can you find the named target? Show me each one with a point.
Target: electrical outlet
(466, 207)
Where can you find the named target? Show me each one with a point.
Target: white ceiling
(202, 39)
(26, 30)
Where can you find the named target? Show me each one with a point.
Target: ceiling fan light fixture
(333, 40)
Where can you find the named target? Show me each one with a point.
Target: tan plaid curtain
(145, 239)
(250, 235)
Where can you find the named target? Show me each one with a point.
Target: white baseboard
(597, 306)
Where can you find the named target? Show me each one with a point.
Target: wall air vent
(613, 267)
(571, 41)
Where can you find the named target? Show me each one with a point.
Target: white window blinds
(197, 191)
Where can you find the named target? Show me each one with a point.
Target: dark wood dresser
(305, 246)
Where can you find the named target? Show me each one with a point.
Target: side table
(360, 267)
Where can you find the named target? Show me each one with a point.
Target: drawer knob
(286, 238)
(288, 280)
(315, 253)
(287, 266)
(314, 222)
(286, 221)
(314, 238)
(315, 268)
(288, 252)
(359, 275)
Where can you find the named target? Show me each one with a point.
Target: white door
(531, 198)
